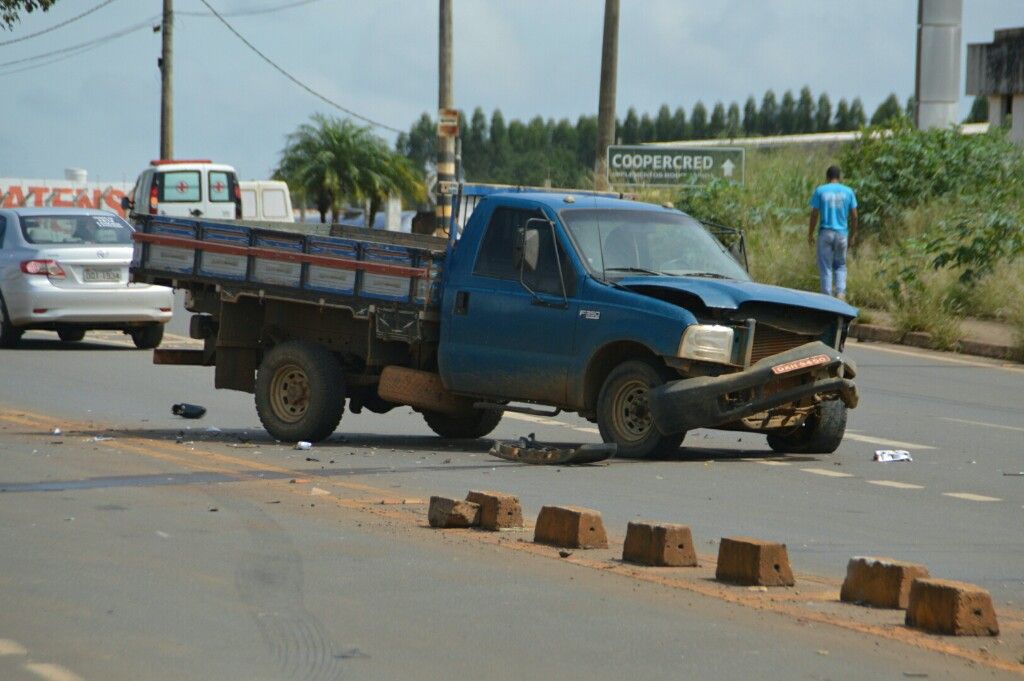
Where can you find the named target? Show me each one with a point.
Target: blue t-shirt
(834, 201)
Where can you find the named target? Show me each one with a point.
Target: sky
(99, 110)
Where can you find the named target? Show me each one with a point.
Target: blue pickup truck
(632, 315)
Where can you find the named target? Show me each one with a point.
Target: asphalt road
(114, 565)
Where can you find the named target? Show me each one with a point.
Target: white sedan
(67, 270)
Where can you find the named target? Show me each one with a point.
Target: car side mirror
(526, 250)
(126, 203)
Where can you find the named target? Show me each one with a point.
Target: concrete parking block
(753, 562)
(497, 510)
(659, 544)
(880, 582)
(570, 526)
(445, 512)
(942, 606)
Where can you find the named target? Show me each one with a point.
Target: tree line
(540, 150)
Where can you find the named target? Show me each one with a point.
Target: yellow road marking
(9, 647)
(970, 497)
(827, 472)
(51, 672)
(887, 443)
(895, 484)
(982, 424)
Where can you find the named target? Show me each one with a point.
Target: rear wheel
(623, 414)
(820, 433)
(300, 392)
(476, 424)
(71, 335)
(147, 337)
(9, 333)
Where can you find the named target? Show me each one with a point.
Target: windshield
(75, 230)
(629, 242)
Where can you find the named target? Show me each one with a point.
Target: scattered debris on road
(891, 455)
(56, 431)
(188, 411)
(302, 445)
(528, 450)
(102, 438)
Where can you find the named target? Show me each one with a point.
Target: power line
(293, 78)
(251, 12)
(80, 46)
(56, 26)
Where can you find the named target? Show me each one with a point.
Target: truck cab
(618, 310)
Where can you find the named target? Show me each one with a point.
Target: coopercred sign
(672, 166)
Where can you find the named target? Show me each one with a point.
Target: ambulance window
(180, 186)
(220, 186)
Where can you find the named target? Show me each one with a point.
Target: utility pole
(445, 103)
(166, 64)
(606, 99)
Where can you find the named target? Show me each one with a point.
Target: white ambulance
(186, 188)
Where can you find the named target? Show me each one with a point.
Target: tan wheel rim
(631, 415)
(289, 393)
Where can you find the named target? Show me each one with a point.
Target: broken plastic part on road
(528, 450)
(302, 445)
(188, 411)
(891, 455)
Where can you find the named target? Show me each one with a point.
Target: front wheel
(623, 414)
(146, 337)
(820, 433)
(475, 424)
(300, 392)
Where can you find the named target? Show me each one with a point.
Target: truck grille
(769, 341)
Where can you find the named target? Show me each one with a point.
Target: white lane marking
(533, 419)
(766, 462)
(895, 444)
(9, 647)
(937, 357)
(827, 473)
(982, 424)
(587, 429)
(970, 497)
(894, 483)
(51, 672)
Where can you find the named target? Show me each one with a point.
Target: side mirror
(126, 203)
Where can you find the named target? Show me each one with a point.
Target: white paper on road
(891, 455)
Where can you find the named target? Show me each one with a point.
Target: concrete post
(937, 91)
(995, 110)
(1017, 114)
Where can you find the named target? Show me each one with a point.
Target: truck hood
(729, 294)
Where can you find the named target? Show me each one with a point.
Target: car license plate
(101, 274)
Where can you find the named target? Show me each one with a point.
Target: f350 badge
(590, 314)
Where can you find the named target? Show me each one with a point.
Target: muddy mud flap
(710, 401)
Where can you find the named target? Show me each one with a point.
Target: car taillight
(153, 200)
(47, 268)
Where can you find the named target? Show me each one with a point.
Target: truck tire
(478, 423)
(623, 416)
(147, 337)
(71, 334)
(300, 392)
(821, 433)
(9, 333)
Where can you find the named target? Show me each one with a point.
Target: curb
(923, 339)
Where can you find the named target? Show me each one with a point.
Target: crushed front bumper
(709, 401)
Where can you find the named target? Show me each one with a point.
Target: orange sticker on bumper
(800, 364)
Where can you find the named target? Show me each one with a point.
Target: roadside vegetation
(942, 223)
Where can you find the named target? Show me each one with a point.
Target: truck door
(503, 340)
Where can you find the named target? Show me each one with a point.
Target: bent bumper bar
(710, 401)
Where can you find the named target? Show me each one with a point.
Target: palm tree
(334, 161)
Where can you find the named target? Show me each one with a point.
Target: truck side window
(495, 256)
(3, 228)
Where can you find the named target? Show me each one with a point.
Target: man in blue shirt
(834, 218)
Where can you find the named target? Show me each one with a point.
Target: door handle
(461, 302)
